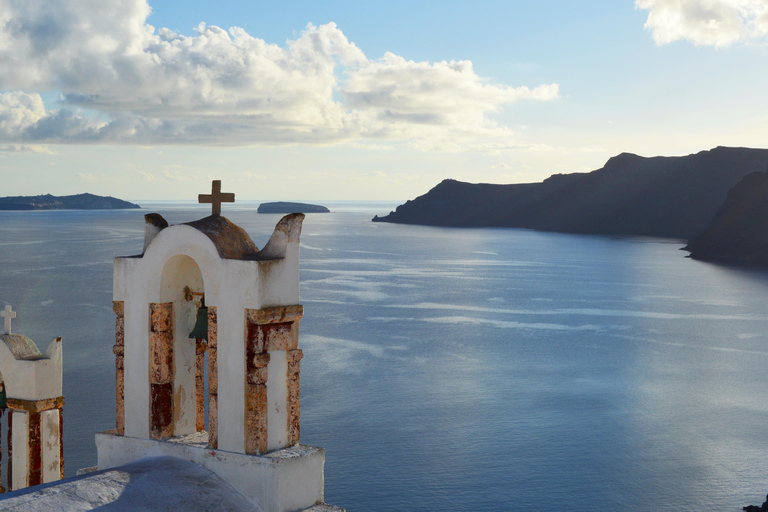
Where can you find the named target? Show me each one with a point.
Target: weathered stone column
(2, 489)
(273, 329)
(161, 369)
(294, 396)
(35, 433)
(200, 348)
(10, 449)
(256, 361)
(213, 376)
(119, 349)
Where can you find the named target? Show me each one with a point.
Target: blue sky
(352, 100)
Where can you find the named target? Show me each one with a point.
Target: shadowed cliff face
(738, 234)
(673, 197)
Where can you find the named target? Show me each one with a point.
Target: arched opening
(177, 380)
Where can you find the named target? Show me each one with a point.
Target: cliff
(673, 197)
(76, 202)
(738, 235)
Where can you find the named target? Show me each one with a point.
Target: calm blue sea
(461, 369)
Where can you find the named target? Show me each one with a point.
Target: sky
(341, 100)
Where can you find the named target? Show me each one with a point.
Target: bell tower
(249, 335)
(32, 391)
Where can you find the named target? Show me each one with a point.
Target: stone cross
(216, 197)
(8, 314)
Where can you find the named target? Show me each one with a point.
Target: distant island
(285, 207)
(75, 202)
(672, 197)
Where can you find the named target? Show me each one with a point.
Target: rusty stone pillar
(10, 449)
(213, 382)
(61, 442)
(294, 396)
(39, 439)
(35, 450)
(256, 361)
(2, 489)
(270, 329)
(200, 348)
(161, 369)
(119, 349)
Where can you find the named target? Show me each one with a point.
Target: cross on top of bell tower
(8, 314)
(216, 197)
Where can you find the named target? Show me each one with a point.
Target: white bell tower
(251, 347)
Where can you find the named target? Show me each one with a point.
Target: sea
(460, 370)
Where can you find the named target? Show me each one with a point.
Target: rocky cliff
(674, 197)
(738, 234)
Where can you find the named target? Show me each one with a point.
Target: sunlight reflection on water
(462, 370)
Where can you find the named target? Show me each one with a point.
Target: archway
(174, 389)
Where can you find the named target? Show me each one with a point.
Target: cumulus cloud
(121, 80)
(706, 22)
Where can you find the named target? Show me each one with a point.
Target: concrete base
(285, 480)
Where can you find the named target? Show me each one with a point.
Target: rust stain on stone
(61, 443)
(161, 370)
(200, 348)
(258, 375)
(256, 360)
(162, 410)
(10, 450)
(161, 357)
(275, 314)
(35, 406)
(279, 336)
(213, 378)
(213, 421)
(118, 307)
(161, 319)
(256, 419)
(35, 450)
(294, 396)
(120, 392)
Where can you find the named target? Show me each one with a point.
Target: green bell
(3, 398)
(200, 331)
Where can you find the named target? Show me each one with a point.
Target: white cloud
(21, 148)
(706, 22)
(121, 80)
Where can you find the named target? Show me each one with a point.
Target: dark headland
(738, 234)
(286, 207)
(674, 197)
(76, 202)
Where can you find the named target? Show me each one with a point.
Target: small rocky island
(75, 202)
(286, 207)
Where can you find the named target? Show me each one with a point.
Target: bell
(3, 398)
(200, 331)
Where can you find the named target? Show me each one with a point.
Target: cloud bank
(706, 22)
(121, 80)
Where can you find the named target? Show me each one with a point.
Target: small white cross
(8, 314)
